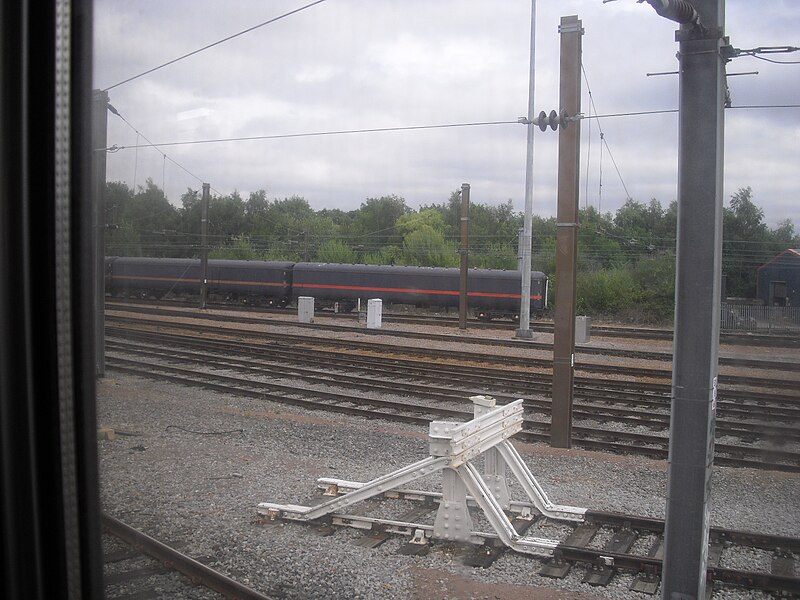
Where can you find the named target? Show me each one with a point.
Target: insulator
(542, 121)
(552, 120)
(679, 11)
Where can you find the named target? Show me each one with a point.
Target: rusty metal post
(204, 247)
(464, 252)
(566, 234)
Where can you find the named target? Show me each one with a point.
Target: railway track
(213, 326)
(427, 405)
(129, 570)
(611, 331)
(605, 543)
(591, 405)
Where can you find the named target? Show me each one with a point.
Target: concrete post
(305, 309)
(583, 326)
(374, 313)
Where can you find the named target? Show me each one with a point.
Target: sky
(349, 65)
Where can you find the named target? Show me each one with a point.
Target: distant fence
(745, 317)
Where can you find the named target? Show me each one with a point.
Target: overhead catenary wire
(150, 144)
(217, 43)
(116, 148)
(603, 141)
(588, 158)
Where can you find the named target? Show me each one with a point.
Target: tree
(238, 248)
(426, 247)
(425, 218)
(225, 216)
(256, 206)
(121, 238)
(599, 246)
(745, 243)
(335, 251)
(375, 220)
(150, 217)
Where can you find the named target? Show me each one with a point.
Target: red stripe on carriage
(197, 281)
(358, 288)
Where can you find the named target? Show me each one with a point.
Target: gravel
(193, 465)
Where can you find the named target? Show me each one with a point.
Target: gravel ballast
(192, 465)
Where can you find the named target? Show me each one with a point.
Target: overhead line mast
(524, 331)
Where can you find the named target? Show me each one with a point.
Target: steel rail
(583, 410)
(615, 331)
(663, 374)
(523, 381)
(603, 558)
(193, 569)
(587, 438)
(463, 339)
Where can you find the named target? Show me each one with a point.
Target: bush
(655, 278)
(604, 292)
(336, 251)
(388, 255)
(497, 256)
(239, 248)
(426, 247)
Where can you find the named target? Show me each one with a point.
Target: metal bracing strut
(453, 446)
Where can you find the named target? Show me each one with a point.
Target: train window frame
(49, 507)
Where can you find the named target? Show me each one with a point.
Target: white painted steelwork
(452, 447)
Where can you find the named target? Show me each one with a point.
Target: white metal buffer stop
(452, 448)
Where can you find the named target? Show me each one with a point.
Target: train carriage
(258, 282)
(491, 293)
(251, 281)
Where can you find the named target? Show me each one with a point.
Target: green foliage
(428, 218)
(256, 207)
(388, 255)
(146, 221)
(605, 292)
(225, 216)
(336, 251)
(626, 260)
(375, 220)
(655, 280)
(599, 246)
(496, 256)
(239, 248)
(123, 241)
(747, 244)
(426, 247)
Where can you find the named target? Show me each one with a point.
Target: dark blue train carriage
(255, 282)
(491, 293)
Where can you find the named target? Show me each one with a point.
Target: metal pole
(204, 246)
(524, 331)
(697, 303)
(569, 138)
(99, 143)
(464, 252)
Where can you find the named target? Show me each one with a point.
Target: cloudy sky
(350, 64)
